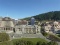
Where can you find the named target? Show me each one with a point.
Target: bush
(4, 37)
(45, 34)
(41, 43)
(22, 42)
(49, 43)
(52, 43)
(58, 35)
(6, 43)
(29, 43)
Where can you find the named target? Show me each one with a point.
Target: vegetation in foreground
(4, 40)
(23, 41)
(28, 41)
(4, 37)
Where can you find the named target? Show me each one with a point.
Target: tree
(54, 15)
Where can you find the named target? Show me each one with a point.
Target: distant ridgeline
(53, 15)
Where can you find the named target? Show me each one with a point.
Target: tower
(32, 21)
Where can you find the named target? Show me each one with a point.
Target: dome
(32, 21)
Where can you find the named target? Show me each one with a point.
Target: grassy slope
(34, 40)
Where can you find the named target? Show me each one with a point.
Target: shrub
(22, 42)
(45, 34)
(52, 43)
(29, 43)
(41, 43)
(58, 35)
(4, 37)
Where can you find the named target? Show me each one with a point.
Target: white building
(8, 25)
(47, 28)
(55, 27)
(27, 29)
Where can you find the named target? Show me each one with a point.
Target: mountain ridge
(53, 15)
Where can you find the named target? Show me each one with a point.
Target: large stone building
(23, 27)
(9, 25)
(27, 29)
(6, 24)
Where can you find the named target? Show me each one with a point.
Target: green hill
(53, 15)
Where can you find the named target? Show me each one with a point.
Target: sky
(19, 9)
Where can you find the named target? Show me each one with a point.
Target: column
(31, 31)
(36, 29)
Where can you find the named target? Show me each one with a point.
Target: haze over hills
(53, 15)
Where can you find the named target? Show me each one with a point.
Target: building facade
(53, 27)
(9, 25)
(27, 29)
(6, 24)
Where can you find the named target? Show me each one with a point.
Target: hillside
(54, 15)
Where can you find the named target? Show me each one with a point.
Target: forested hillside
(54, 15)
